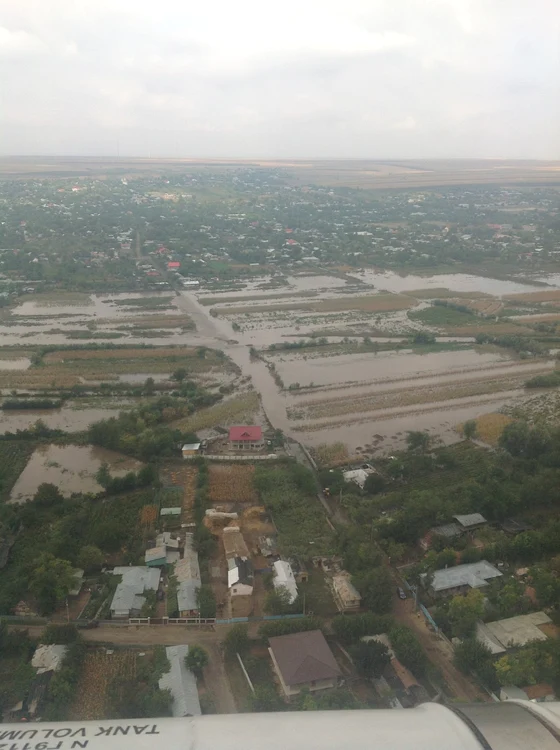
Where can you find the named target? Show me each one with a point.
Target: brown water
(70, 420)
(456, 282)
(15, 364)
(374, 367)
(71, 468)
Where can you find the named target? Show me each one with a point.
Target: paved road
(215, 675)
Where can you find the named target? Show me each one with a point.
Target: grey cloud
(322, 78)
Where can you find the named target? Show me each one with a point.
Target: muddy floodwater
(15, 364)
(70, 420)
(456, 282)
(71, 468)
(382, 366)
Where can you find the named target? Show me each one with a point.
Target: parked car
(401, 593)
(160, 595)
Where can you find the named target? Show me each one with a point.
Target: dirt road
(438, 651)
(215, 675)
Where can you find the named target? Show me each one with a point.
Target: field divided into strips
(232, 484)
(367, 303)
(181, 481)
(65, 368)
(240, 409)
(99, 670)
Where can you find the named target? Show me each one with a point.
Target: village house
(249, 438)
(460, 579)
(304, 661)
(190, 449)
(129, 598)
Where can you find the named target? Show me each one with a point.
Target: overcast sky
(281, 78)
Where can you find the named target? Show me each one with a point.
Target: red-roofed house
(173, 264)
(249, 438)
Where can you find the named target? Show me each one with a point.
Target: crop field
(238, 409)
(232, 484)
(150, 321)
(552, 295)
(489, 427)
(99, 670)
(148, 515)
(64, 368)
(370, 303)
(330, 454)
(13, 460)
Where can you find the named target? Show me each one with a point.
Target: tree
(150, 386)
(469, 429)
(90, 558)
(180, 374)
(473, 656)
(465, 612)
(237, 641)
(376, 588)
(265, 699)
(518, 669)
(196, 659)
(374, 484)
(417, 441)
(50, 581)
(408, 650)
(511, 599)
(48, 495)
(278, 601)
(103, 475)
(370, 658)
(206, 601)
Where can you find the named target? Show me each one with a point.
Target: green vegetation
(408, 650)
(14, 456)
(196, 660)
(443, 315)
(550, 380)
(284, 627)
(288, 491)
(370, 658)
(350, 628)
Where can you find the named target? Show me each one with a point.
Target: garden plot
(232, 484)
(100, 668)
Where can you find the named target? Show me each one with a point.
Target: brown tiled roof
(541, 690)
(304, 657)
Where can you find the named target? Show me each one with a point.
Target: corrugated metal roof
(187, 598)
(181, 683)
(474, 575)
(470, 519)
(284, 578)
(48, 658)
(156, 553)
(135, 581)
(170, 512)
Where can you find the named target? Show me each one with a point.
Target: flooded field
(455, 282)
(67, 418)
(381, 366)
(71, 468)
(22, 363)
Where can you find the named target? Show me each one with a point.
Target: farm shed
(461, 578)
(346, 596)
(187, 598)
(155, 557)
(470, 521)
(181, 683)
(129, 599)
(188, 568)
(304, 661)
(240, 585)
(78, 576)
(447, 531)
(246, 438)
(284, 578)
(170, 512)
(190, 449)
(234, 543)
(165, 539)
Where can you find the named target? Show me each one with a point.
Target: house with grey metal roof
(461, 578)
(181, 683)
(512, 632)
(470, 521)
(129, 598)
(187, 598)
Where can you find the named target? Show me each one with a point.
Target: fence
(172, 620)
(253, 457)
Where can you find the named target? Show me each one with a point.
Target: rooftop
(513, 632)
(284, 578)
(248, 433)
(475, 575)
(304, 657)
(181, 683)
(187, 595)
(48, 658)
(471, 519)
